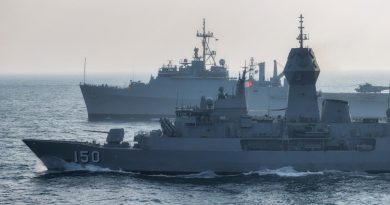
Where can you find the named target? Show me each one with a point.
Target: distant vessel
(369, 88)
(220, 136)
(185, 84)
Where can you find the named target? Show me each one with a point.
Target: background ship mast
(208, 54)
(302, 37)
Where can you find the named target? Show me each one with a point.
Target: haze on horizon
(138, 36)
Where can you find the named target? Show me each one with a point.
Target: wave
(288, 171)
(200, 175)
(40, 167)
(87, 167)
(73, 167)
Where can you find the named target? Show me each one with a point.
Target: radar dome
(221, 89)
(222, 62)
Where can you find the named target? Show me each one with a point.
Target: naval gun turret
(114, 137)
(301, 72)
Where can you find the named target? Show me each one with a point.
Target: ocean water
(53, 108)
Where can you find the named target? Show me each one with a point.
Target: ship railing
(142, 132)
(369, 119)
(100, 85)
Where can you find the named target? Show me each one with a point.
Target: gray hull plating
(161, 100)
(56, 154)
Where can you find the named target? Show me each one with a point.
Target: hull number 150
(86, 156)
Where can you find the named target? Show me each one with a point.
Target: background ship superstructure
(185, 84)
(173, 86)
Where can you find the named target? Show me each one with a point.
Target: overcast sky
(138, 36)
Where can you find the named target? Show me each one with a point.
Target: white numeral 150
(85, 156)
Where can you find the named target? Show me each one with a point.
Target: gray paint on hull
(103, 102)
(233, 161)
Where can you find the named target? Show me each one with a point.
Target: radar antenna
(252, 67)
(207, 52)
(302, 37)
(245, 67)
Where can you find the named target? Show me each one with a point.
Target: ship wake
(288, 171)
(87, 167)
(74, 167)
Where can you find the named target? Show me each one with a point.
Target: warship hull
(56, 155)
(159, 98)
(104, 102)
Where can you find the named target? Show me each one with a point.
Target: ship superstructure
(219, 135)
(183, 84)
(197, 68)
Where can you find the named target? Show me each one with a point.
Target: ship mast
(302, 37)
(207, 52)
(252, 67)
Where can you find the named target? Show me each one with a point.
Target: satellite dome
(222, 62)
(221, 89)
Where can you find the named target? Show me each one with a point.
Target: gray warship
(174, 85)
(186, 83)
(369, 88)
(220, 136)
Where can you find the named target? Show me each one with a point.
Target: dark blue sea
(51, 107)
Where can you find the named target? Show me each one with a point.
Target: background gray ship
(185, 84)
(173, 86)
(220, 136)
